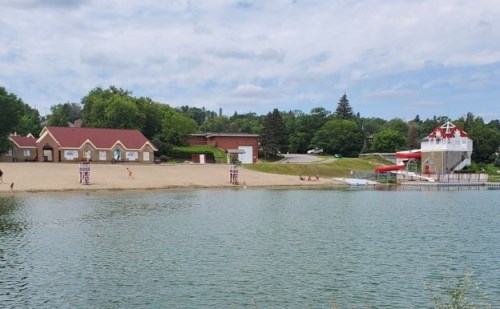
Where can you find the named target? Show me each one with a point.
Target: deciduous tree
(111, 108)
(340, 136)
(16, 116)
(176, 127)
(63, 114)
(388, 141)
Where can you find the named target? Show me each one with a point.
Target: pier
(451, 184)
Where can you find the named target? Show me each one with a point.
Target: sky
(393, 58)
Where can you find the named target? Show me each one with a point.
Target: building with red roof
(64, 144)
(446, 149)
(22, 148)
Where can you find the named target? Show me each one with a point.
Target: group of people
(1, 182)
(310, 178)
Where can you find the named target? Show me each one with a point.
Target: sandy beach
(37, 177)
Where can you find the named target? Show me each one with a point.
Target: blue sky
(395, 58)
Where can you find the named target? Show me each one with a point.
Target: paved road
(299, 158)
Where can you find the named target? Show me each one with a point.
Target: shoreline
(37, 177)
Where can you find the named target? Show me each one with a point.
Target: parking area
(299, 158)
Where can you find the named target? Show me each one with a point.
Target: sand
(39, 177)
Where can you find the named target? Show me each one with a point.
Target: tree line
(341, 131)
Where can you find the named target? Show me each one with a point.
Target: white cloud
(249, 90)
(308, 53)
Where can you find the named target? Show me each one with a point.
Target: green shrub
(212, 154)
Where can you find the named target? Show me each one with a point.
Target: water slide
(410, 154)
(400, 156)
(389, 168)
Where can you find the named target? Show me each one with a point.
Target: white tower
(448, 148)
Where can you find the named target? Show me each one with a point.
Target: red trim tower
(446, 149)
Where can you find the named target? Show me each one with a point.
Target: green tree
(197, 114)
(111, 108)
(245, 123)
(176, 128)
(413, 142)
(494, 124)
(344, 110)
(340, 136)
(29, 123)
(274, 137)
(388, 141)
(302, 127)
(219, 124)
(372, 125)
(153, 116)
(417, 119)
(486, 143)
(123, 113)
(63, 114)
(398, 125)
(11, 109)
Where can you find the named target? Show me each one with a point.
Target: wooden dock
(450, 184)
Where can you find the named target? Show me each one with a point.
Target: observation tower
(446, 149)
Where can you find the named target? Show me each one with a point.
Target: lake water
(254, 248)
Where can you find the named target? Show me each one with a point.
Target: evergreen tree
(274, 137)
(344, 110)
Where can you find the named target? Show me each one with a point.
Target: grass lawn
(219, 155)
(337, 168)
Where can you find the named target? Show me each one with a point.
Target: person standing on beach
(12, 188)
(1, 175)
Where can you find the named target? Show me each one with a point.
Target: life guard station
(446, 149)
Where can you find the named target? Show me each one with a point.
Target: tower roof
(448, 130)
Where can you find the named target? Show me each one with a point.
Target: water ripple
(251, 248)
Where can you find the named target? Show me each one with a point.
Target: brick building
(244, 146)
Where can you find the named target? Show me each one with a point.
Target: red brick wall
(55, 148)
(228, 142)
(232, 142)
(197, 140)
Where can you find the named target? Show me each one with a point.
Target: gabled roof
(23, 141)
(73, 137)
(447, 130)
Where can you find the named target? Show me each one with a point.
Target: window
(132, 155)
(70, 154)
(27, 152)
(102, 155)
(10, 152)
